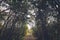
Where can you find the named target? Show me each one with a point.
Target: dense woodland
(42, 16)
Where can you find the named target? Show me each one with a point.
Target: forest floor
(29, 36)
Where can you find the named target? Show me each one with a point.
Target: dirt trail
(29, 37)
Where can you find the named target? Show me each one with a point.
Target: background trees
(42, 15)
(13, 15)
(47, 20)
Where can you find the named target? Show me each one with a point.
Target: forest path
(29, 36)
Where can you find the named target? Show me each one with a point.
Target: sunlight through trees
(29, 19)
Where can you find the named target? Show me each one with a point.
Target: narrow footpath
(29, 36)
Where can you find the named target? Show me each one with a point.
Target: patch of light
(5, 17)
(7, 11)
(29, 27)
(22, 1)
(48, 21)
(2, 8)
(28, 16)
(7, 4)
(4, 4)
(31, 24)
(51, 19)
(31, 11)
(2, 22)
(41, 10)
(57, 6)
